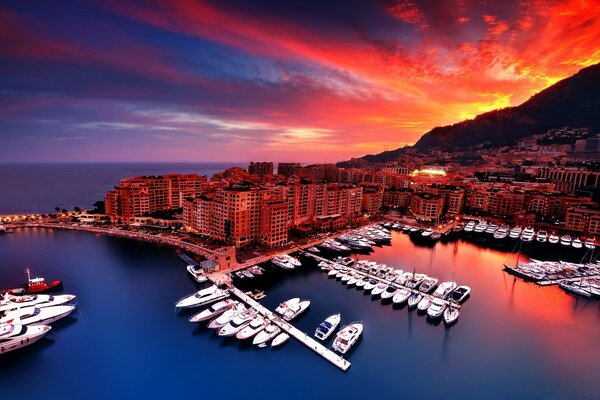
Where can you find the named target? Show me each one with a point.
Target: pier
(294, 332)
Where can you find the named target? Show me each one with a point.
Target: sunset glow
(278, 80)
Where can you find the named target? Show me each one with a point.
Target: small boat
(35, 285)
(590, 244)
(436, 309)
(460, 294)
(12, 302)
(256, 325)
(280, 339)
(414, 299)
(502, 232)
(36, 315)
(577, 244)
(401, 296)
(237, 323)
(197, 273)
(247, 274)
(388, 293)
(553, 239)
(565, 240)
(332, 273)
(469, 227)
(492, 228)
(542, 236)
(313, 250)
(352, 281)
(436, 235)
(227, 316)
(424, 304)
(214, 310)
(515, 232)
(347, 337)
(370, 285)
(427, 232)
(444, 289)
(16, 336)
(268, 333)
(576, 288)
(451, 315)
(528, 234)
(327, 327)
(428, 284)
(203, 297)
(378, 289)
(256, 270)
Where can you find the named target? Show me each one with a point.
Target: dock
(188, 259)
(294, 332)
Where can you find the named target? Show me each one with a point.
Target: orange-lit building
(426, 206)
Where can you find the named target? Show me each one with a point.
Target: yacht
(528, 234)
(332, 273)
(345, 261)
(282, 262)
(470, 226)
(268, 333)
(414, 299)
(388, 293)
(414, 229)
(460, 294)
(214, 310)
(590, 244)
(427, 232)
(359, 244)
(577, 244)
(203, 297)
(16, 336)
(256, 325)
(481, 227)
(11, 302)
(542, 236)
(36, 315)
(406, 228)
(370, 285)
(565, 240)
(451, 315)
(576, 288)
(502, 232)
(197, 273)
(444, 289)
(294, 311)
(428, 284)
(314, 250)
(283, 307)
(360, 284)
(378, 289)
(424, 304)
(435, 235)
(237, 323)
(347, 336)
(436, 309)
(492, 228)
(401, 296)
(227, 316)
(280, 339)
(553, 239)
(327, 327)
(515, 232)
(353, 280)
(346, 277)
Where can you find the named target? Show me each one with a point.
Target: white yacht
(428, 284)
(255, 326)
(470, 226)
(515, 232)
(577, 244)
(388, 293)
(327, 327)
(12, 302)
(202, 297)
(36, 315)
(16, 336)
(370, 285)
(451, 315)
(197, 273)
(401, 296)
(280, 339)
(268, 333)
(282, 262)
(528, 234)
(553, 239)
(436, 309)
(214, 310)
(227, 316)
(378, 289)
(283, 307)
(237, 323)
(347, 336)
(427, 232)
(492, 228)
(590, 244)
(360, 284)
(481, 227)
(295, 310)
(414, 299)
(444, 289)
(565, 240)
(502, 232)
(460, 294)
(424, 303)
(542, 236)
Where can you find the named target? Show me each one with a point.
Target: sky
(292, 80)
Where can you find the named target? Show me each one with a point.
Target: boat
(444, 289)
(576, 288)
(256, 270)
(590, 244)
(565, 240)
(414, 299)
(460, 294)
(227, 316)
(203, 297)
(347, 337)
(332, 273)
(542, 236)
(528, 234)
(414, 229)
(345, 261)
(428, 284)
(515, 232)
(492, 228)
(328, 326)
(295, 310)
(424, 304)
(280, 339)
(436, 235)
(436, 309)
(553, 239)
(388, 293)
(313, 250)
(427, 232)
(35, 285)
(502, 232)
(257, 324)
(469, 227)
(214, 310)
(370, 285)
(481, 227)
(268, 333)
(359, 244)
(378, 289)
(451, 315)
(282, 262)
(197, 273)
(36, 315)
(401, 296)
(237, 323)
(577, 244)
(16, 336)
(283, 307)
(12, 302)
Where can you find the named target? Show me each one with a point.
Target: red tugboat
(35, 285)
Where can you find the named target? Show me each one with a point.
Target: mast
(28, 274)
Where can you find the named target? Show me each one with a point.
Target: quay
(377, 278)
(294, 332)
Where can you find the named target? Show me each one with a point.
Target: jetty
(294, 332)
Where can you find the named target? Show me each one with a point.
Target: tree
(57, 209)
(64, 210)
(77, 209)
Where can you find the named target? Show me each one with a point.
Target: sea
(514, 339)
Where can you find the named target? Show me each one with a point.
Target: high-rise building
(260, 168)
(287, 169)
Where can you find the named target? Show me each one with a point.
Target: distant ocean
(41, 187)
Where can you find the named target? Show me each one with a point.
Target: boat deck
(549, 282)
(294, 332)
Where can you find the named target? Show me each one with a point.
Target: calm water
(26, 188)
(514, 340)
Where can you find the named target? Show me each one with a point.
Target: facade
(426, 206)
(396, 198)
(274, 226)
(583, 219)
(260, 168)
(372, 199)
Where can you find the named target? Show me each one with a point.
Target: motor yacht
(401, 296)
(237, 323)
(16, 336)
(566, 240)
(347, 337)
(370, 285)
(469, 227)
(415, 281)
(295, 310)
(256, 270)
(436, 309)
(427, 232)
(345, 261)
(436, 235)
(282, 262)
(360, 284)
(227, 316)
(197, 273)
(460, 294)
(502, 232)
(414, 299)
(203, 297)
(492, 228)
(36, 315)
(328, 326)
(414, 229)
(257, 324)
(515, 232)
(590, 244)
(332, 273)
(346, 277)
(424, 304)
(577, 244)
(352, 281)
(576, 288)
(378, 289)
(553, 239)
(12, 302)
(313, 250)
(444, 289)
(280, 339)
(428, 284)
(481, 227)
(541, 236)
(451, 315)
(283, 307)
(528, 234)
(388, 293)
(214, 310)
(268, 333)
